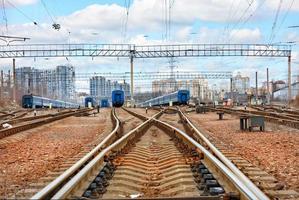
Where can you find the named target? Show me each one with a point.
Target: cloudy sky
(144, 22)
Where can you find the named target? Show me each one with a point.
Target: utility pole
(268, 91)
(9, 84)
(256, 88)
(14, 79)
(132, 75)
(231, 84)
(289, 81)
(2, 85)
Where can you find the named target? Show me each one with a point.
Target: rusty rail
(282, 120)
(16, 129)
(223, 159)
(48, 191)
(77, 183)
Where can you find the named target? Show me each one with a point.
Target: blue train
(91, 101)
(31, 101)
(118, 98)
(104, 103)
(180, 97)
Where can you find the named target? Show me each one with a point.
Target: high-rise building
(126, 88)
(65, 80)
(161, 87)
(200, 89)
(98, 86)
(108, 88)
(240, 84)
(29, 80)
(101, 88)
(58, 83)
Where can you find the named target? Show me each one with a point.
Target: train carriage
(31, 101)
(180, 97)
(90, 101)
(104, 103)
(118, 98)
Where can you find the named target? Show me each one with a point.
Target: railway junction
(164, 148)
(87, 129)
(162, 152)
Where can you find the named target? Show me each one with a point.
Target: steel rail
(95, 164)
(242, 187)
(227, 162)
(24, 119)
(237, 181)
(51, 187)
(16, 129)
(279, 119)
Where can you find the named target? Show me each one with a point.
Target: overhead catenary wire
(284, 18)
(124, 26)
(4, 17)
(225, 28)
(47, 10)
(249, 17)
(240, 19)
(272, 35)
(21, 12)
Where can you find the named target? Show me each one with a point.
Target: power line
(166, 19)
(227, 19)
(284, 17)
(4, 15)
(275, 21)
(241, 17)
(20, 11)
(248, 18)
(124, 25)
(47, 10)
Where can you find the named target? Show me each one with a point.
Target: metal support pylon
(289, 81)
(132, 52)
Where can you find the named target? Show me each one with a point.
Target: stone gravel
(276, 150)
(45, 149)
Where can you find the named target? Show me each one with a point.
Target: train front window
(184, 97)
(27, 102)
(117, 97)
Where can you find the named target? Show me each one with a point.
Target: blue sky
(192, 21)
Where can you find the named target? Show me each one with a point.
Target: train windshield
(184, 96)
(117, 97)
(27, 101)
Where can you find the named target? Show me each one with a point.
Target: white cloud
(97, 17)
(216, 35)
(246, 35)
(183, 34)
(102, 23)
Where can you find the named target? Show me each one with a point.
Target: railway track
(153, 160)
(74, 164)
(276, 109)
(13, 115)
(23, 124)
(266, 182)
(278, 118)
